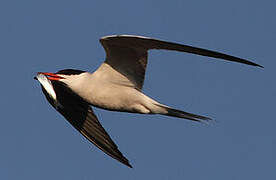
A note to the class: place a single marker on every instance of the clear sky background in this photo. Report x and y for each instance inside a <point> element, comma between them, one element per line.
<point>38,143</point>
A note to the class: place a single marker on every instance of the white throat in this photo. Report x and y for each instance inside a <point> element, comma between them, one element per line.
<point>47,84</point>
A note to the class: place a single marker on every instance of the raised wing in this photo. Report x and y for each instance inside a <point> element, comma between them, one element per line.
<point>81,116</point>
<point>127,55</point>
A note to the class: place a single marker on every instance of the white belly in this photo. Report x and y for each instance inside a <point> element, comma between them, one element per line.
<point>114,97</point>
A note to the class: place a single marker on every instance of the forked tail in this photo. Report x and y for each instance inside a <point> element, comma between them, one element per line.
<point>183,114</point>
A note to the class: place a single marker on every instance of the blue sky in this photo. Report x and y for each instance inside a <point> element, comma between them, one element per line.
<point>38,143</point>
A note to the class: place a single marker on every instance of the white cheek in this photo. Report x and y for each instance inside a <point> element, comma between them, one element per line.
<point>46,83</point>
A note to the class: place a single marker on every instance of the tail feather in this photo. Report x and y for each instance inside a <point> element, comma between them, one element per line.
<point>183,114</point>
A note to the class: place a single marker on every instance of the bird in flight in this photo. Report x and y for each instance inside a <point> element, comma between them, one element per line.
<point>116,86</point>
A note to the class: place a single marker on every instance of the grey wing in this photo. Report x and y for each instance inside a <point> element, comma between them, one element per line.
<point>81,116</point>
<point>127,55</point>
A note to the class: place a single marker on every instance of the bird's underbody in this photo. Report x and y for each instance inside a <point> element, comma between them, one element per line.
<point>116,85</point>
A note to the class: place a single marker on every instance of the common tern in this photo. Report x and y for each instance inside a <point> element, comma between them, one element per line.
<point>116,85</point>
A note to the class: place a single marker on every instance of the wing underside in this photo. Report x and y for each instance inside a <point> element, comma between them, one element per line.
<point>81,116</point>
<point>127,54</point>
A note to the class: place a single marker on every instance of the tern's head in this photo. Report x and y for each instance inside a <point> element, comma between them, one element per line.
<point>62,74</point>
<point>73,79</point>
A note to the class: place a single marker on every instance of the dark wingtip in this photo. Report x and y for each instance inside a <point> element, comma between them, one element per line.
<point>35,78</point>
<point>250,63</point>
<point>129,165</point>
<point>205,120</point>
<point>259,66</point>
<point>253,64</point>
